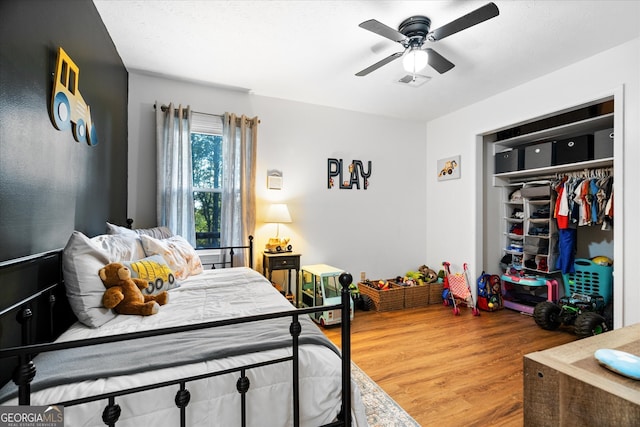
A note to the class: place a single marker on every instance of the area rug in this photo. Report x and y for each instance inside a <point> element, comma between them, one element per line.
<point>381,410</point>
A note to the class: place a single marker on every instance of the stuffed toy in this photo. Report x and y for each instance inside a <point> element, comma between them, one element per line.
<point>124,294</point>
<point>430,275</point>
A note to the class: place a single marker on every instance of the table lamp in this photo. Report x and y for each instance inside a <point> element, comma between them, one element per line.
<point>278,213</point>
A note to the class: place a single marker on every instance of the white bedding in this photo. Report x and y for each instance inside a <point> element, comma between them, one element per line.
<point>213,295</point>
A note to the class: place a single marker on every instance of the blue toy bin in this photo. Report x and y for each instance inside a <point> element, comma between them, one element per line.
<point>590,278</point>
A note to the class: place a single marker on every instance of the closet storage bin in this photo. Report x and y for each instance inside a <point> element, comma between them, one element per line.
<point>383,300</point>
<point>573,150</point>
<point>603,144</point>
<point>590,278</point>
<point>536,245</point>
<point>538,155</point>
<point>509,161</point>
<point>536,191</point>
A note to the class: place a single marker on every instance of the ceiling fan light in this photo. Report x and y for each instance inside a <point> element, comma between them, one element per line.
<point>415,60</point>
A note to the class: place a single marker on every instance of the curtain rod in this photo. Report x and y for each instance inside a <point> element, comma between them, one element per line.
<point>164,108</point>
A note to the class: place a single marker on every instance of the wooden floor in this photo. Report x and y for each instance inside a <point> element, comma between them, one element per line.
<point>450,370</point>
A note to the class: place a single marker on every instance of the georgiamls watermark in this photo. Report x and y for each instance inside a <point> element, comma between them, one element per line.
<point>31,416</point>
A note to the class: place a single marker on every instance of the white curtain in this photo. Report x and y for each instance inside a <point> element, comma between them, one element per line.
<point>174,181</point>
<point>238,197</point>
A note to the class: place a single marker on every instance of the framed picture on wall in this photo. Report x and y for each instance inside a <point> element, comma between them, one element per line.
<point>449,168</point>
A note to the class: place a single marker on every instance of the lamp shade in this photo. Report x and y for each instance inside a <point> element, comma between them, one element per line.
<point>278,213</point>
<point>415,60</point>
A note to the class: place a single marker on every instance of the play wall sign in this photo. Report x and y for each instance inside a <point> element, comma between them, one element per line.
<point>354,175</point>
<point>31,416</point>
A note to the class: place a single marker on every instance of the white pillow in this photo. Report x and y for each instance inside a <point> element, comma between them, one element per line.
<point>120,247</point>
<point>155,232</point>
<point>81,262</point>
<point>116,229</point>
<point>177,252</point>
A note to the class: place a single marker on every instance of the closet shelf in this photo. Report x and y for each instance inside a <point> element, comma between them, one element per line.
<point>512,252</point>
<point>565,131</point>
<point>514,220</point>
<point>549,170</point>
<point>513,236</point>
<point>539,220</point>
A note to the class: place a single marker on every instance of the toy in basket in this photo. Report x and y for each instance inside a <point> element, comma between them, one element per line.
<point>457,290</point>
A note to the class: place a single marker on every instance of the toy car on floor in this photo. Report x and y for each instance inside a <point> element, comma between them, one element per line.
<point>587,313</point>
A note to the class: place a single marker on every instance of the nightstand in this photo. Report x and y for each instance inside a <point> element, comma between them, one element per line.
<point>281,261</point>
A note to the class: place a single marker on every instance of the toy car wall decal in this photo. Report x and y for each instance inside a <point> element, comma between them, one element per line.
<point>68,108</point>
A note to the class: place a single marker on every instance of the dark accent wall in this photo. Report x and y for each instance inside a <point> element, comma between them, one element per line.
<point>49,183</point>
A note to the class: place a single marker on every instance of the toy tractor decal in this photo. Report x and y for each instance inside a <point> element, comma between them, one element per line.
<point>68,108</point>
<point>448,168</point>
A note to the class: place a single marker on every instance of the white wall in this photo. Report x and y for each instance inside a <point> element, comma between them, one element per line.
<point>379,230</point>
<point>457,227</point>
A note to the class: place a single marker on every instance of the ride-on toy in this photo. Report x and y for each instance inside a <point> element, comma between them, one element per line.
<point>587,313</point>
<point>320,286</point>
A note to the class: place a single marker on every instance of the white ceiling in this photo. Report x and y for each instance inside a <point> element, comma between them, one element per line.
<point>309,51</point>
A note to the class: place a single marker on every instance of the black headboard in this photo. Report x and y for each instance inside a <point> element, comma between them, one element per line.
<point>33,303</point>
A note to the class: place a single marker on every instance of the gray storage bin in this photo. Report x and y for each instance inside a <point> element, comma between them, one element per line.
<point>509,161</point>
<point>538,156</point>
<point>603,144</point>
<point>536,191</point>
<point>573,150</point>
<point>536,245</point>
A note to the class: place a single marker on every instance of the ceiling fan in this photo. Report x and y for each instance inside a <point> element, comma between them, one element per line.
<point>414,31</point>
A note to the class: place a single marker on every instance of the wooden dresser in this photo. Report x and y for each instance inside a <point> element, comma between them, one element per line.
<point>566,386</point>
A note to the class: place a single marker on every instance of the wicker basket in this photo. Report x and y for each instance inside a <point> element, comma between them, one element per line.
<point>391,299</point>
<point>435,293</point>
<point>416,296</point>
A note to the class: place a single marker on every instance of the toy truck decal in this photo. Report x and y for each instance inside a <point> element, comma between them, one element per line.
<point>68,107</point>
<point>154,273</point>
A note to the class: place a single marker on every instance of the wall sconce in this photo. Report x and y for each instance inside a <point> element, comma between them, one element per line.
<point>274,179</point>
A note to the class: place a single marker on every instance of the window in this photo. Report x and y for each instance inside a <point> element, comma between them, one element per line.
<point>206,160</point>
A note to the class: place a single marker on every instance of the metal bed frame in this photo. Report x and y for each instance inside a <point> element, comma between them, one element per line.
<point>37,314</point>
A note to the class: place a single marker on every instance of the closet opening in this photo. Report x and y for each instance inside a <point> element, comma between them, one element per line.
<point>526,168</point>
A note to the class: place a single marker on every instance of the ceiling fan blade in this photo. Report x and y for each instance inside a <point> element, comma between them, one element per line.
<point>486,12</point>
<point>439,62</point>
<point>379,64</point>
<point>382,30</point>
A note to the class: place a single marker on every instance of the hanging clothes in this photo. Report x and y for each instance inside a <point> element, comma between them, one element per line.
<point>608,218</point>
<point>566,250</point>
<point>582,200</point>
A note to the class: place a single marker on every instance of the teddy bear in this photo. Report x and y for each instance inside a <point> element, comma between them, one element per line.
<point>124,294</point>
<point>430,276</point>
